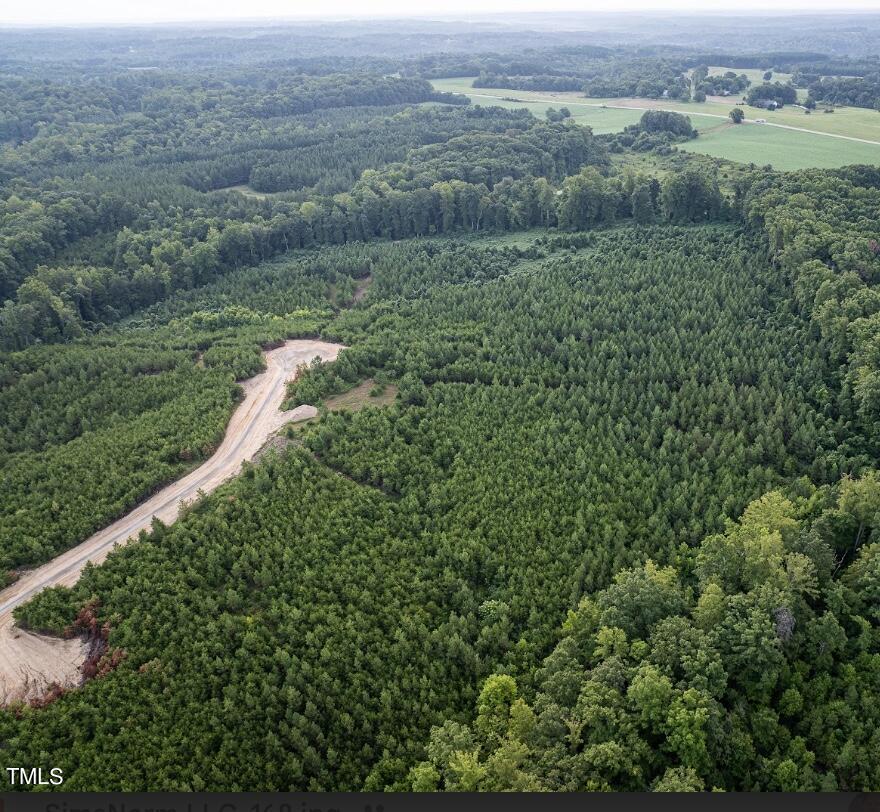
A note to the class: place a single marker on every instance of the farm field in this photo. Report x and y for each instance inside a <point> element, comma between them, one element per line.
<point>853,122</point>
<point>782,149</point>
<point>601,119</point>
<point>791,149</point>
<point>603,115</point>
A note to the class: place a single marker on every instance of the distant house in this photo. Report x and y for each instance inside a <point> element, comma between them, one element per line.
<point>766,104</point>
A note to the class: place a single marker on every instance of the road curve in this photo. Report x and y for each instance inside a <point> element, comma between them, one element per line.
<point>30,662</point>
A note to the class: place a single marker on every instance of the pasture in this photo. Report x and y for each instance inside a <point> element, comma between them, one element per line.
<point>601,119</point>
<point>747,143</point>
<point>782,149</point>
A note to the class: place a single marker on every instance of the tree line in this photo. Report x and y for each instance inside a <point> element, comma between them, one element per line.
<point>527,175</point>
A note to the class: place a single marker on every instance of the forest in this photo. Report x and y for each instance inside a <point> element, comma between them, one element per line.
<point>495,170</point>
<point>858,91</point>
<point>616,525</point>
<point>781,93</point>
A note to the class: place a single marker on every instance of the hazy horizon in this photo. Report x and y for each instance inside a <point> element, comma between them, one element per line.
<point>107,12</point>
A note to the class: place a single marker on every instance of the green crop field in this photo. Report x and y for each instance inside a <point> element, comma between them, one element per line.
<point>750,143</point>
<point>855,122</point>
<point>604,115</point>
<point>782,149</point>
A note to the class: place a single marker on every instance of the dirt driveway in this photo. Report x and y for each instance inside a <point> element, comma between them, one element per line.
<point>29,662</point>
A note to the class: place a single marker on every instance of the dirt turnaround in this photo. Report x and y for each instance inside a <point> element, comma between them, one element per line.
<point>29,663</point>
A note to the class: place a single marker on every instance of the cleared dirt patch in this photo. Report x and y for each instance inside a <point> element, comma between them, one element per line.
<point>280,440</point>
<point>361,289</point>
<point>30,663</point>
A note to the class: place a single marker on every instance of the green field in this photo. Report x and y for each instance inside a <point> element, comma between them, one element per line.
<point>751,143</point>
<point>855,122</point>
<point>601,119</point>
<point>782,149</point>
<point>755,75</point>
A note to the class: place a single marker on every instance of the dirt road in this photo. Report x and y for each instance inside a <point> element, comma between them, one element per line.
<point>29,662</point>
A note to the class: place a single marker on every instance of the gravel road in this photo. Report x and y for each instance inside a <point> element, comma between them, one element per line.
<point>30,662</point>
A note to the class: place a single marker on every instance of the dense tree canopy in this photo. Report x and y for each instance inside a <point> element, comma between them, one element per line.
<point>746,666</point>
<point>858,91</point>
<point>614,523</point>
<point>668,365</point>
<point>772,91</point>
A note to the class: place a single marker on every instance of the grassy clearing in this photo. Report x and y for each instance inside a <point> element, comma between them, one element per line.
<point>749,143</point>
<point>783,149</point>
<point>367,393</point>
<point>602,120</point>
<point>517,239</point>
<point>244,189</point>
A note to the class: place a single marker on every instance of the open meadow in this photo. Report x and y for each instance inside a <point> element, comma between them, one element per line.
<point>821,140</point>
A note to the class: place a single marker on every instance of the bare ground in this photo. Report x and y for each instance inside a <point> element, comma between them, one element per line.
<point>361,288</point>
<point>29,663</point>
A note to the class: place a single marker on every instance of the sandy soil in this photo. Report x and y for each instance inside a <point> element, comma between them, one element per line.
<point>30,662</point>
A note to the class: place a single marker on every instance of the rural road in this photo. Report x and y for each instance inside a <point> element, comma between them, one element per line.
<point>569,103</point>
<point>30,662</point>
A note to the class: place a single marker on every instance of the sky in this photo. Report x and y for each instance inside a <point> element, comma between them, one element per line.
<point>86,12</point>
